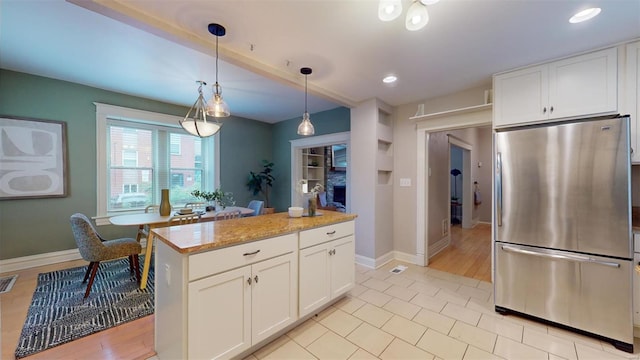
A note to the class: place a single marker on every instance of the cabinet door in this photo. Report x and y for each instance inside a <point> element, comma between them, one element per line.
<point>584,85</point>
<point>314,278</point>
<point>636,291</point>
<point>220,315</point>
<point>632,104</point>
<point>273,296</point>
<point>520,96</point>
<point>342,265</point>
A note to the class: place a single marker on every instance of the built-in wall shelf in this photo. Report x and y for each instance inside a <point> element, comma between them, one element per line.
<point>453,112</point>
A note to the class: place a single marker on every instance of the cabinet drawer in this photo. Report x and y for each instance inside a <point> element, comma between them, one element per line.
<point>216,261</point>
<point>325,233</point>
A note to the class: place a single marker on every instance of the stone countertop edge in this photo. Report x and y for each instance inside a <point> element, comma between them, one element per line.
<point>211,235</point>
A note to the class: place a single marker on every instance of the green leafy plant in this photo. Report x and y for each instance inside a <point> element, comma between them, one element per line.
<point>222,198</point>
<point>262,181</point>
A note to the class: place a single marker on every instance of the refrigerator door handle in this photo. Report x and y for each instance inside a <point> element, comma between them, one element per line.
<point>499,189</point>
<point>557,255</point>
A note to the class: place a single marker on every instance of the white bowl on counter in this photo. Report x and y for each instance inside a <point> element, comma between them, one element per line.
<point>295,211</point>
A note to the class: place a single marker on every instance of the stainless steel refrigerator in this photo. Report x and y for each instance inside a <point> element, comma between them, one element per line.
<point>563,243</point>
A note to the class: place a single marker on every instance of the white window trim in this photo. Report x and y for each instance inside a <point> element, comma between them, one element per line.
<point>105,112</point>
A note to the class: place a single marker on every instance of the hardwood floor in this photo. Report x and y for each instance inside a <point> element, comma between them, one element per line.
<point>468,255</point>
<point>133,340</point>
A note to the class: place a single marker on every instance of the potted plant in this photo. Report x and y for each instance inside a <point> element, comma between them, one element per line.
<point>215,198</point>
<point>261,182</point>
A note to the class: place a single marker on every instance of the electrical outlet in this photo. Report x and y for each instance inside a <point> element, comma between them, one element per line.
<point>445,227</point>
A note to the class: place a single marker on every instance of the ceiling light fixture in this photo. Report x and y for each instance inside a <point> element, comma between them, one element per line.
<point>197,122</point>
<point>306,127</point>
<point>389,9</point>
<point>216,107</point>
<point>417,15</point>
<point>389,79</point>
<point>584,15</point>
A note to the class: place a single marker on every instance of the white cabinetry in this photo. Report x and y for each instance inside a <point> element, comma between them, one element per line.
<point>583,85</point>
<point>636,282</point>
<point>327,260</point>
<point>632,106</point>
<point>234,298</point>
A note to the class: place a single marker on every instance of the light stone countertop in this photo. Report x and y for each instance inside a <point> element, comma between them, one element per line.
<point>211,235</point>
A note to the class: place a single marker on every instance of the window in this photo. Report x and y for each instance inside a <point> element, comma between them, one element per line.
<point>140,153</point>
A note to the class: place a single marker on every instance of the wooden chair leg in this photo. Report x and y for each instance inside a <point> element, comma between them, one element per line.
<point>136,261</point>
<point>96,265</point>
<point>86,275</point>
<point>131,264</point>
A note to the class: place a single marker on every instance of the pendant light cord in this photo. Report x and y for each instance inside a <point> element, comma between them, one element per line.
<point>305,93</point>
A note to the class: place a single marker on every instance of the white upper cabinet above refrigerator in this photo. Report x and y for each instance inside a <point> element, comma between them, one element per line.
<point>579,86</point>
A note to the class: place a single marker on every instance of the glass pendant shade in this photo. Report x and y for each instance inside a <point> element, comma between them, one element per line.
<point>389,9</point>
<point>429,2</point>
<point>197,122</point>
<point>306,127</point>
<point>216,106</point>
<point>417,16</point>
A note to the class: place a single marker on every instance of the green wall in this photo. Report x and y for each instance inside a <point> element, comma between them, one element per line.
<point>326,122</point>
<point>36,226</point>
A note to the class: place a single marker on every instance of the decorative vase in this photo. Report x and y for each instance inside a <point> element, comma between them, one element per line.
<point>165,205</point>
<point>313,205</point>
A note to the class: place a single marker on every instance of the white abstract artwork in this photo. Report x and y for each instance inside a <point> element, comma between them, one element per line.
<point>32,158</point>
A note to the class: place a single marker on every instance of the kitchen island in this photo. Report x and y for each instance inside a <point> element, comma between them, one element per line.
<point>225,288</point>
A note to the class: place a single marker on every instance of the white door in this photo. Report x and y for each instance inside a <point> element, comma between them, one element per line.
<point>220,315</point>
<point>342,265</point>
<point>584,85</point>
<point>273,296</point>
<point>521,96</point>
<point>314,278</point>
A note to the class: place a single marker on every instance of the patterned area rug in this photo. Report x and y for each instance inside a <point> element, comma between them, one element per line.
<point>58,313</point>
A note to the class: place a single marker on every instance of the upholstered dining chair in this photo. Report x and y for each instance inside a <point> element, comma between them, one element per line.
<point>227,215</point>
<point>256,206</point>
<point>94,249</point>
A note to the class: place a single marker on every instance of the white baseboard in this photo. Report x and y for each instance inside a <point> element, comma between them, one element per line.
<point>384,259</point>
<point>31,261</point>
<point>27,262</point>
<point>439,246</point>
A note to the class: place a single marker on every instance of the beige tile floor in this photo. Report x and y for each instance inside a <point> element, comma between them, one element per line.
<point>427,314</point>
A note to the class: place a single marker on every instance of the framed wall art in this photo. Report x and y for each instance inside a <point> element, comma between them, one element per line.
<point>33,158</point>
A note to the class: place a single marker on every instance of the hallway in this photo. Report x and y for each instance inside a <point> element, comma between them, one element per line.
<point>469,253</point>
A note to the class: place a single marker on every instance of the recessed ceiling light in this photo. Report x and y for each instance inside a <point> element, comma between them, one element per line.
<point>584,15</point>
<point>389,79</point>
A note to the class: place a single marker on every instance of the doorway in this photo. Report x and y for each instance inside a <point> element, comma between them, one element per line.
<point>321,160</point>
<point>426,222</point>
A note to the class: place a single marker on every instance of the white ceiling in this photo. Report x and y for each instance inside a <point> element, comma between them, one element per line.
<point>158,49</point>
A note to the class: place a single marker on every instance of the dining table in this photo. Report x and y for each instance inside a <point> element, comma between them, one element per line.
<point>155,220</point>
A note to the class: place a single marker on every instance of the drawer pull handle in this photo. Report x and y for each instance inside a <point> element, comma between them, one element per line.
<point>249,280</point>
<point>256,279</point>
<point>251,253</point>
<point>331,232</point>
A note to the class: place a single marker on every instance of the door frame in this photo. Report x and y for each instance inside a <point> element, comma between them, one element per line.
<point>471,117</point>
<point>296,162</point>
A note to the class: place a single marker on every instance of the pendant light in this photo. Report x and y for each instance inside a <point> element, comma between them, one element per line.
<point>306,127</point>
<point>197,122</point>
<point>389,9</point>
<point>417,16</point>
<point>217,107</point>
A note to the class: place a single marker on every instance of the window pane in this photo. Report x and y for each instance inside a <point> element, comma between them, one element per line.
<point>130,147</point>
<point>186,168</point>
<point>123,184</point>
